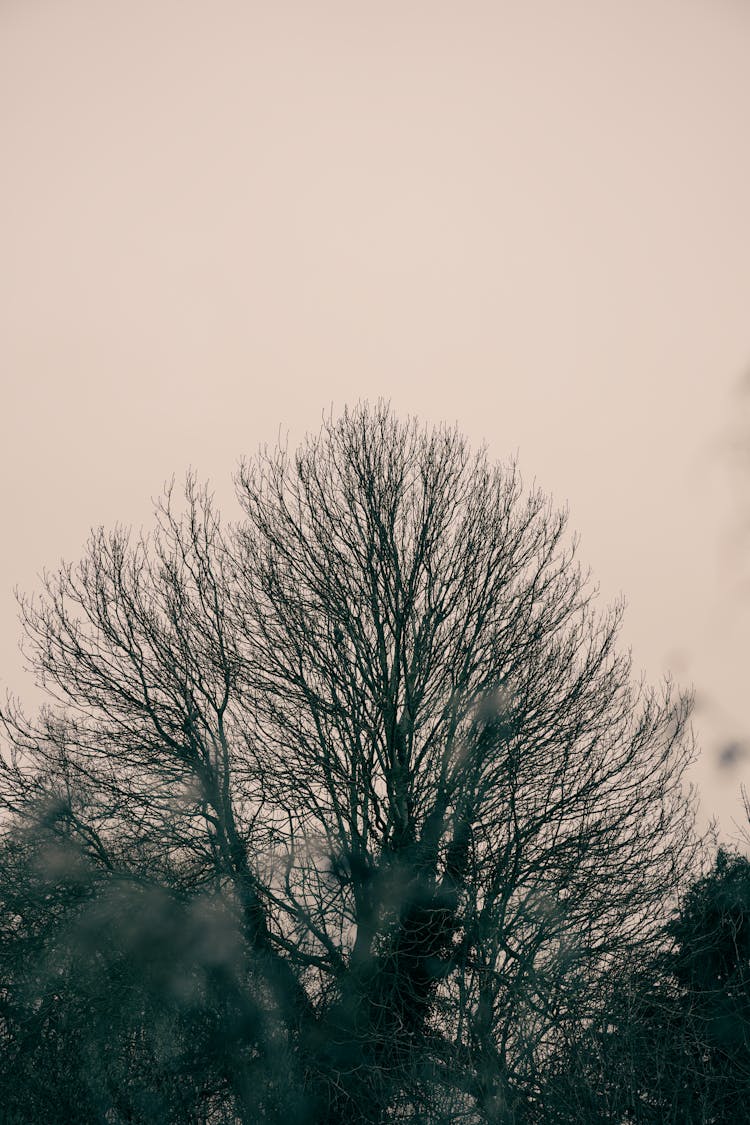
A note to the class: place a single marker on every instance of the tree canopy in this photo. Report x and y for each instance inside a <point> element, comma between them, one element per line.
<point>349,811</point>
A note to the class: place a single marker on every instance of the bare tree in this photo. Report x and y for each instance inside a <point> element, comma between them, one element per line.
<point>381,718</point>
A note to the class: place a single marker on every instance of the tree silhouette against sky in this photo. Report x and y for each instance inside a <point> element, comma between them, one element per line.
<point>366,768</point>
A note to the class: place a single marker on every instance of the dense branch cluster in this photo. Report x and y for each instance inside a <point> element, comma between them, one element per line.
<point>349,812</point>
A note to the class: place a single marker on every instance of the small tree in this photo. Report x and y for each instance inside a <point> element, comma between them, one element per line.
<point>383,722</point>
<point>711,965</point>
<point>675,1044</point>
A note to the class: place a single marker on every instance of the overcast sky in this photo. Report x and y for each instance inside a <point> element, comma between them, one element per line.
<point>531,218</point>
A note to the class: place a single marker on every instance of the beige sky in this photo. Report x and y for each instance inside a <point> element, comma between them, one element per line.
<point>530,217</point>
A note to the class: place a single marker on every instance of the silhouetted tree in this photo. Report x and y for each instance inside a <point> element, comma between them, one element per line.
<point>380,727</point>
<point>674,1043</point>
<point>711,964</point>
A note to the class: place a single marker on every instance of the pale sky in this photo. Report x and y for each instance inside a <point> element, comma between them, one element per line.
<point>532,218</point>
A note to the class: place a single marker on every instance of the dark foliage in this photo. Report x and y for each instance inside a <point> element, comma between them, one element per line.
<point>674,1045</point>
